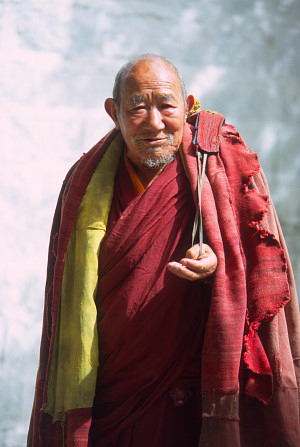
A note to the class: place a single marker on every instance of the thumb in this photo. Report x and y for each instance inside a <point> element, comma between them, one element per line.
<point>193,252</point>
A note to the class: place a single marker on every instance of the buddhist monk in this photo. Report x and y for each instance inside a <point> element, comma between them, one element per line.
<point>171,316</point>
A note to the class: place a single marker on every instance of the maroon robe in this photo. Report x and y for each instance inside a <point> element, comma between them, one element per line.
<point>251,351</point>
<point>151,323</point>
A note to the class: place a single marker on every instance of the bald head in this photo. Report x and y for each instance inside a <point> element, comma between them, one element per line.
<point>127,68</point>
<point>149,108</point>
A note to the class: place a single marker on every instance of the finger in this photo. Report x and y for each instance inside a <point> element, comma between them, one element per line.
<point>193,252</point>
<point>205,265</point>
<point>183,272</point>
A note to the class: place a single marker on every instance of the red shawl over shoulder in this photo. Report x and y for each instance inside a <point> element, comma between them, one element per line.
<point>249,385</point>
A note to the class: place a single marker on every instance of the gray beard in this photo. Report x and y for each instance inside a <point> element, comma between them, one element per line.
<point>158,162</point>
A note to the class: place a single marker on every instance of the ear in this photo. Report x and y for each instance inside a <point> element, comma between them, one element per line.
<point>190,101</point>
<point>112,110</point>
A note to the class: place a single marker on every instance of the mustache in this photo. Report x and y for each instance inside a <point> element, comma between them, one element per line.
<point>168,137</point>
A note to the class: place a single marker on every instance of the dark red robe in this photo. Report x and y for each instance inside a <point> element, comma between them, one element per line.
<point>151,323</point>
<point>250,354</point>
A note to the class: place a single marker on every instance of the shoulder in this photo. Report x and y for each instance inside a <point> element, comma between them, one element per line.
<point>84,167</point>
<point>230,136</point>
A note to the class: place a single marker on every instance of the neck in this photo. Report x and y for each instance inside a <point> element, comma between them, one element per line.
<point>148,175</point>
<point>147,172</point>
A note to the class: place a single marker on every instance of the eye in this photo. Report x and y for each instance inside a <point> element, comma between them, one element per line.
<point>167,106</point>
<point>138,109</point>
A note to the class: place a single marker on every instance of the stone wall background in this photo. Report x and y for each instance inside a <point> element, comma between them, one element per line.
<point>58,60</point>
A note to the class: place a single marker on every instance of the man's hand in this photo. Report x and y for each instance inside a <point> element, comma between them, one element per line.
<point>193,267</point>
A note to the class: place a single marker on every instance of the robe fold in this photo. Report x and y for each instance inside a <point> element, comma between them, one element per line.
<point>243,334</point>
<point>150,323</point>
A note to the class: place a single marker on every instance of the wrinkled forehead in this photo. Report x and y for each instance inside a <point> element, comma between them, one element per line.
<point>155,77</point>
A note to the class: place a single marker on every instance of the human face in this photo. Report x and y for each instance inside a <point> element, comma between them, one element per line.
<point>151,114</point>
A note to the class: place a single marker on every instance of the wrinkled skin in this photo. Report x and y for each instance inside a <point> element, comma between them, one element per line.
<point>193,266</point>
<point>151,116</point>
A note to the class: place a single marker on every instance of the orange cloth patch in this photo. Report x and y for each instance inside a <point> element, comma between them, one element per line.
<point>133,175</point>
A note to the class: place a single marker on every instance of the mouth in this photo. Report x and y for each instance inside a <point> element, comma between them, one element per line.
<point>154,141</point>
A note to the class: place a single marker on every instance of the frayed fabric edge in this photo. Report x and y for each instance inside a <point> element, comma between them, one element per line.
<point>253,326</point>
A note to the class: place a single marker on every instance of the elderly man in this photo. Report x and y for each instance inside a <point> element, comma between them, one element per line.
<point>148,342</point>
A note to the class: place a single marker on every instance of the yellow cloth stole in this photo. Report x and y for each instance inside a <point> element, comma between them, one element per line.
<point>74,362</point>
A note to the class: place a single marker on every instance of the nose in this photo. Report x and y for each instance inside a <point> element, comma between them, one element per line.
<point>154,120</point>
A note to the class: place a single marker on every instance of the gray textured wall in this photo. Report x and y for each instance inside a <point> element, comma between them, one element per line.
<point>57,63</point>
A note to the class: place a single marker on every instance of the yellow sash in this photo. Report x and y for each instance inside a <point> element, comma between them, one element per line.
<point>74,362</point>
